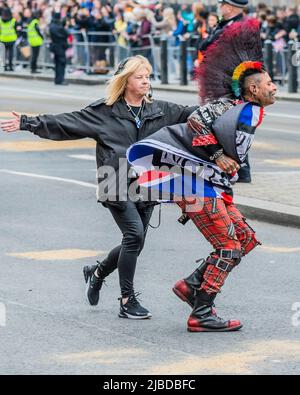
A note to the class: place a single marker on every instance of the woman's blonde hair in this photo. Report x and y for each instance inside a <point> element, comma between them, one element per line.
<point>169,16</point>
<point>117,84</point>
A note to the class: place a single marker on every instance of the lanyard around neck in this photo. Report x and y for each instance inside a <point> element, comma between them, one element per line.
<point>137,117</point>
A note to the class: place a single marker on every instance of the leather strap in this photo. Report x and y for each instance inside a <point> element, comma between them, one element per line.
<point>229,254</point>
<point>219,263</point>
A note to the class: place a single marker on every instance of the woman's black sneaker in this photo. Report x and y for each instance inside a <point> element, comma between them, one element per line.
<point>93,284</point>
<point>132,309</point>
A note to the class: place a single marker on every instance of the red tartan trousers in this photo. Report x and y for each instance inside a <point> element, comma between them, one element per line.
<point>224,227</point>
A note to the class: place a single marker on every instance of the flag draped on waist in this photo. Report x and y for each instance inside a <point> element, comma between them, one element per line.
<point>169,162</point>
<point>165,165</point>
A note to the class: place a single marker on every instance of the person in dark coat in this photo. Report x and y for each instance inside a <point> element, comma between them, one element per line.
<point>100,41</point>
<point>126,116</point>
<point>231,11</point>
<point>59,44</point>
<point>8,36</point>
<point>143,33</point>
<point>292,20</point>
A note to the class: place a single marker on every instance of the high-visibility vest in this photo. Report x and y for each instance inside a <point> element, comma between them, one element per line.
<point>34,39</point>
<point>8,32</point>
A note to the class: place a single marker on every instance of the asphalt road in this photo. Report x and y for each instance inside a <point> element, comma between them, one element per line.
<point>51,227</point>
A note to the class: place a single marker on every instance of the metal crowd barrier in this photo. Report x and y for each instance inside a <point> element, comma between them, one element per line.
<point>283,66</point>
<point>172,58</point>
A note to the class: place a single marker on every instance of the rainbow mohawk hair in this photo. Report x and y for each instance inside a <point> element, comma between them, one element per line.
<point>239,71</point>
<point>237,50</point>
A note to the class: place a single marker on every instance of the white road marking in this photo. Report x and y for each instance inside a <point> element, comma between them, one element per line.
<point>48,93</point>
<point>282,115</point>
<point>89,185</point>
<point>68,180</point>
<point>263,129</point>
<point>94,98</point>
<point>83,157</point>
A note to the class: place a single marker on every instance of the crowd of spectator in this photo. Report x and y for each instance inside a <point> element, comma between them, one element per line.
<point>132,25</point>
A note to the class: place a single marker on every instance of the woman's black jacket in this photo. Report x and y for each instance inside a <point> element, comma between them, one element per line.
<point>113,127</point>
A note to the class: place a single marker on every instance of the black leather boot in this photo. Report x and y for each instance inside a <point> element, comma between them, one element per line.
<point>185,289</point>
<point>202,318</point>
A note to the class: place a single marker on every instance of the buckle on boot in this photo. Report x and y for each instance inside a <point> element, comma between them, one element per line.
<point>223,265</point>
<point>229,254</point>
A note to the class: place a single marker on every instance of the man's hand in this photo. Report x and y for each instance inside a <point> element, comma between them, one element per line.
<point>227,164</point>
<point>11,125</point>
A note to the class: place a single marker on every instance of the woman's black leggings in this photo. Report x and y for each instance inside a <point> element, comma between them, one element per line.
<point>133,220</point>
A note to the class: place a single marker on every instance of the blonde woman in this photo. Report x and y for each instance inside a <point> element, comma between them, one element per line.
<point>120,27</point>
<point>168,24</point>
<point>125,116</point>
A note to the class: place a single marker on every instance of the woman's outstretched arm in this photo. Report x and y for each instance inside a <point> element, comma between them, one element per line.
<point>67,126</point>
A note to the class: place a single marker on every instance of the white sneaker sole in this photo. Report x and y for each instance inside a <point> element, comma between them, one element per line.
<point>134,317</point>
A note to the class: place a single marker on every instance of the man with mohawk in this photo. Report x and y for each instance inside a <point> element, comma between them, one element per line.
<point>234,88</point>
<point>220,221</point>
<point>231,12</point>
